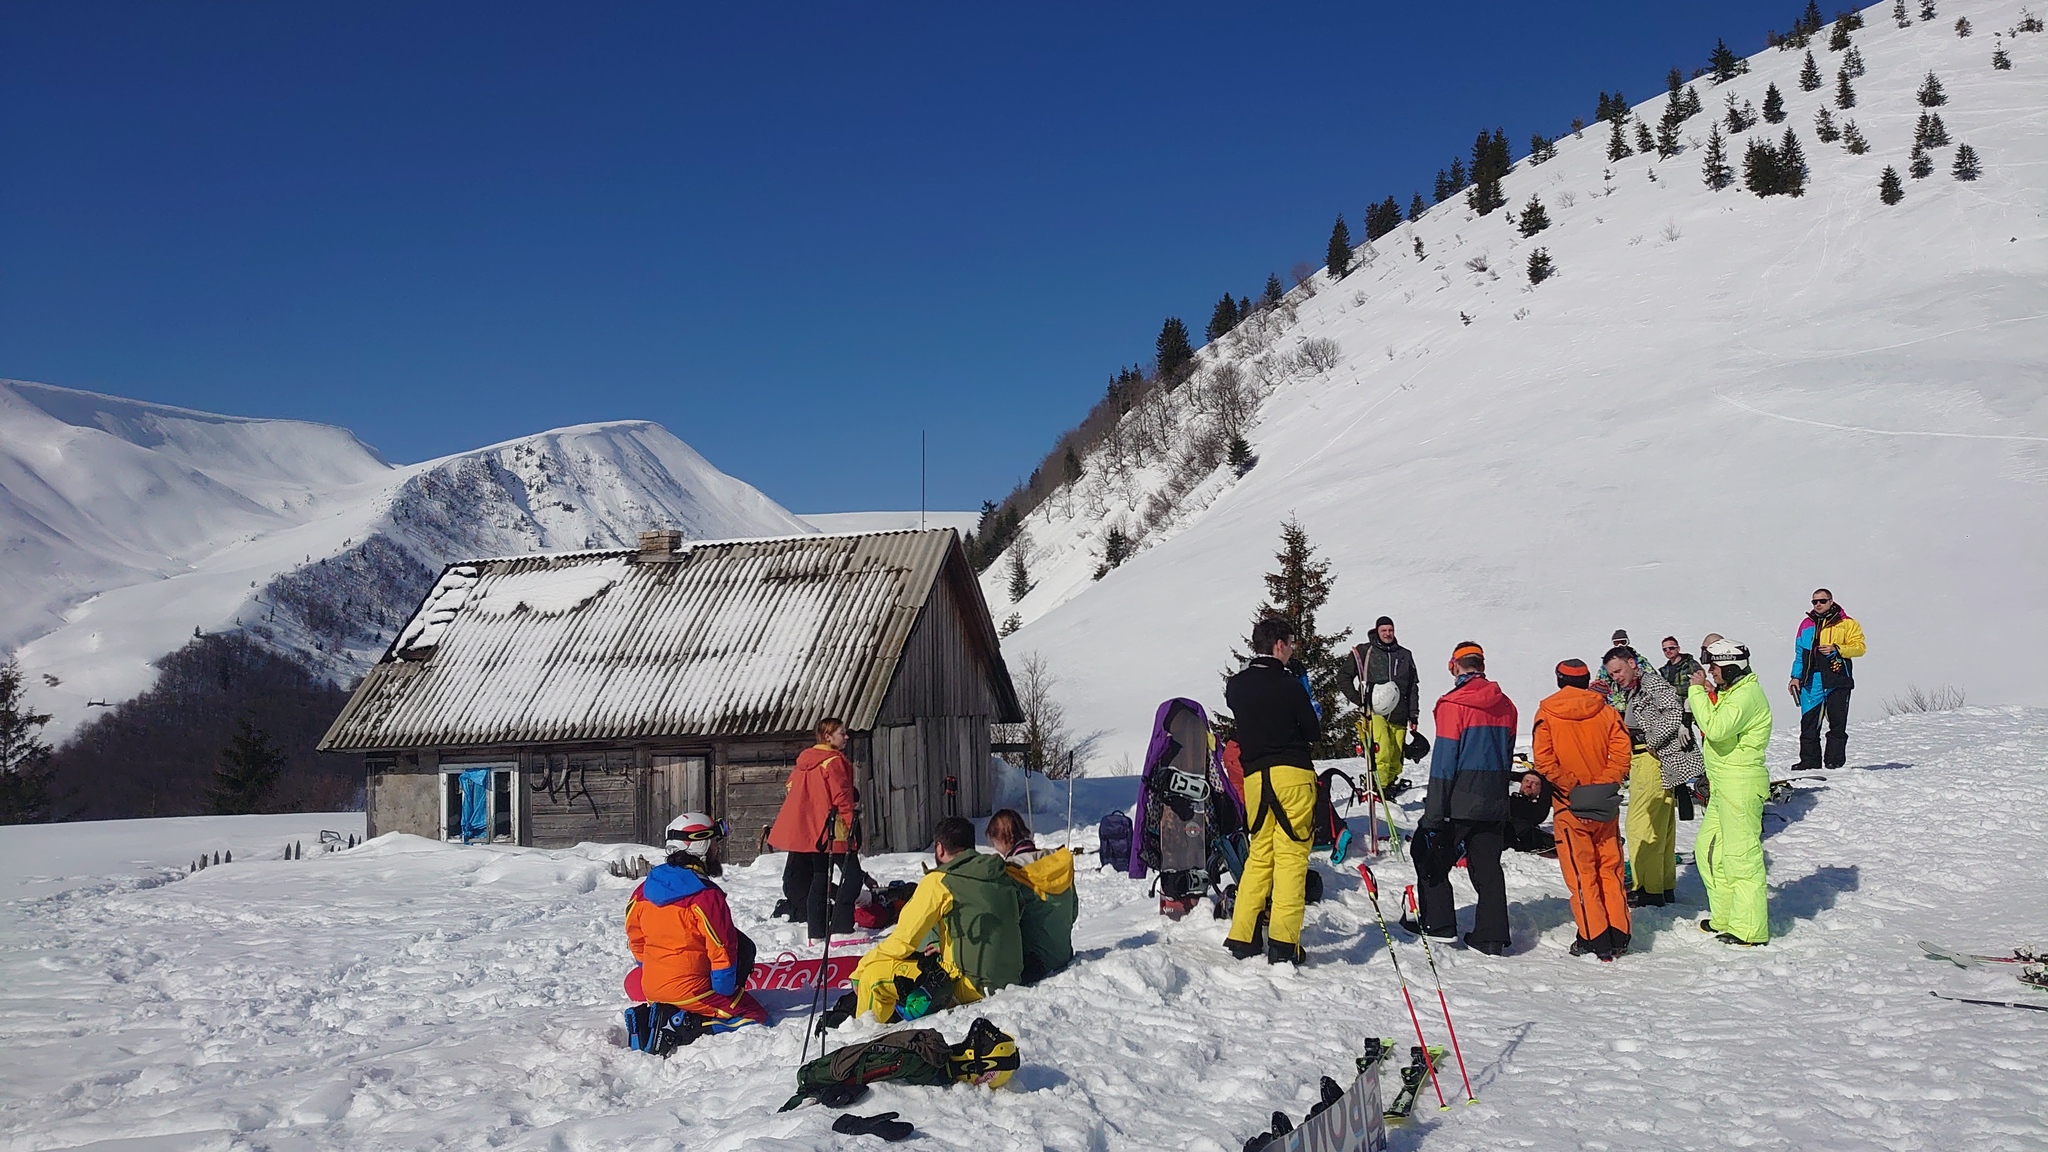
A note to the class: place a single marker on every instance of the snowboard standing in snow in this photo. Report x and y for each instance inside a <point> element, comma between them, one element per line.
<point>1187,812</point>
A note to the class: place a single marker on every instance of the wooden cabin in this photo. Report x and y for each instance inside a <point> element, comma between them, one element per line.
<point>600,694</point>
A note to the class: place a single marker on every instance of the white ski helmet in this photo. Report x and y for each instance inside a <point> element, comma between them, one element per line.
<point>1728,652</point>
<point>694,833</point>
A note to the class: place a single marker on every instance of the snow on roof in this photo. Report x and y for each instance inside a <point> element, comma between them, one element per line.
<point>730,637</point>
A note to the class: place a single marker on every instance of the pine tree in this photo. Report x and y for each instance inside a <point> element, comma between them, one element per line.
<point>1922,165</point>
<point>1490,162</point>
<point>1760,168</point>
<point>1382,218</point>
<point>1297,591</point>
<point>1840,38</point>
<point>1645,143</point>
<point>1725,63</point>
<point>1020,576</point>
<point>1740,118</point>
<point>1339,254</point>
<point>1541,148</point>
<point>1845,96</point>
<point>1930,132</point>
<point>1071,466</point>
<point>1222,319</point>
<point>1824,127</point>
<point>1617,143</point>
<point>1852,63</point>
<point>1603,109</point>
<point>1810,21</point>
<point>1774,105</point>
<point>1617,107</point>
<point>1888,188</point>
<point>1273,293</point>
<point>1442,190</point>
<point>1173,349</point>
<point>1693,107</point>
<point>1852,139</point>
<point>1457,184</point>
<point>1791,165</point>
<point>1999,60</point>
<point>1540,267</point>
<point>1931,95</point>
<point>1852,20</point>
<point>1809,75</point>
<point>1241,458</point>
<point>248,770</point>
<point>1715,171</point>
<point>1899,16</point>
<point>1116,548</point>
<point>1962,26</point>
<point>1534,219</point>
<point>1966,166</point>
<point>1927,9</point>
<point>26,775</point>
<point>1416,207</point>
<point>1667,140</point>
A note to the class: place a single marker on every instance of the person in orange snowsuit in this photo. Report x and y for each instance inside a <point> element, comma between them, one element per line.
<point>693,962</point>
<point>1583,750</point>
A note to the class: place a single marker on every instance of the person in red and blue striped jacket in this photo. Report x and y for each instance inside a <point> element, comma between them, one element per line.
<point>1466,812</point>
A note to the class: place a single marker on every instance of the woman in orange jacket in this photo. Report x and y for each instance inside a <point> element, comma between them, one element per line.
<point>818,825</point>
<point>1581,747</point>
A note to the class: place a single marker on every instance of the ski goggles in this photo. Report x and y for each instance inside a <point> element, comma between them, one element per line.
<point>717,831</point>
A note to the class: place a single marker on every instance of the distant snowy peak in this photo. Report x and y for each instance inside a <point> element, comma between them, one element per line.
<point>126,527</point>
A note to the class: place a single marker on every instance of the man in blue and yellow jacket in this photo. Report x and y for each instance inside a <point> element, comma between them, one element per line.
<point>1823,673</point>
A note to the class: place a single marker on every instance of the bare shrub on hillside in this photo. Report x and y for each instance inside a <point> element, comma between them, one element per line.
<point>1304,275</point>
<point>1269,372</point>
<point>1915,700</point>
<point>1231,400</point>
<point>1477,263</point>
<point>1204,450</point>
<point>1051,748</point>
<point>1318,355</point>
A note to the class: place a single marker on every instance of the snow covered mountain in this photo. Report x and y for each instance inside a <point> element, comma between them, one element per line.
<point>126,528</point>
<point>1719,402</point>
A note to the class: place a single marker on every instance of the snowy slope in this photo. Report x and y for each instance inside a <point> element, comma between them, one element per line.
<point>830,522</point>
<point>127,526</point>
<point>1719,403</point>
<point>409,995</point>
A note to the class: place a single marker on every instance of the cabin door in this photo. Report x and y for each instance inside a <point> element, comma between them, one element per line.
<point>675,785</point>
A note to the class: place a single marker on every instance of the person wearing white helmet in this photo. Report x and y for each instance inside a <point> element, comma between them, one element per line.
<point>1735,727</point>
<point>693,962</point>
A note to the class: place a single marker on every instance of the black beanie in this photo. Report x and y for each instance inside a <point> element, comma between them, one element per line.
<point>1383,620</point>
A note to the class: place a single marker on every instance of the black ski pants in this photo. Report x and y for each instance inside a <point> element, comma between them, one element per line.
<point>807,885</point>
<point>1481,843</point>
<point>1834,708</point>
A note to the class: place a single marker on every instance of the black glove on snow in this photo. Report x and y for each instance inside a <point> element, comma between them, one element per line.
<point>886,1125</point>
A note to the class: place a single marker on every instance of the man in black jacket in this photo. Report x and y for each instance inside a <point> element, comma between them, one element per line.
<point>1276,731</point>
<point>1383,684</point>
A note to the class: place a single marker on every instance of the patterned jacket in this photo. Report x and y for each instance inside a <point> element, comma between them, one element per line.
<point>1656,717</point>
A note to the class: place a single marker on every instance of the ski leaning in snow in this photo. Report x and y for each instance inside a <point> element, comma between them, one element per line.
<point>1973,959</point>
<point>2032,1005</point>
<point>1419,1069</point>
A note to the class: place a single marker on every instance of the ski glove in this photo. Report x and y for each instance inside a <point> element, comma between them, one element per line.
<point>725,981</point>
<point>885,1125</point>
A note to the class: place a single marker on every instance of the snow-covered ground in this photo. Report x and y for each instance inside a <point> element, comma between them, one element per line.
<point>1719,403</point>
<point>409,995</point>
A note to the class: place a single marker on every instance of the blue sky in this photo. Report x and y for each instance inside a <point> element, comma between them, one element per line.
<point>795,236</point>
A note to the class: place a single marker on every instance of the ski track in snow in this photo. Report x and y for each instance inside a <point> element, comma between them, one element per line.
<point>1876,431</point>
<point>409,995</point>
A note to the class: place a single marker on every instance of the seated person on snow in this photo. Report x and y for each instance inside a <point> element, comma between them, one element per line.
<point>693,963</point>
<point>1050,903</point>
<point>975,911</point>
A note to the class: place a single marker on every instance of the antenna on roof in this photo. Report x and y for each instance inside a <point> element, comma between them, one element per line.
<point>920,479</point>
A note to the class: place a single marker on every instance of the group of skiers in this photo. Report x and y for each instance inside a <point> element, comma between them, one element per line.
<point>1672,734</point>
<point>1663,737</point>
<point>998,918</point>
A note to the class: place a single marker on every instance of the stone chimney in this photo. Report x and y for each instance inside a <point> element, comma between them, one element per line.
<point>659,545</point>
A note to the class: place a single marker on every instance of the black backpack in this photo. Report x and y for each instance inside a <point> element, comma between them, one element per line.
<point>1326,823</point>
<point>1114,842</point>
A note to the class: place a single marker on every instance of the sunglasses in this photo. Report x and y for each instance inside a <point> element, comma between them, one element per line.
<point>1671,647</point>
<point>1821,601</point>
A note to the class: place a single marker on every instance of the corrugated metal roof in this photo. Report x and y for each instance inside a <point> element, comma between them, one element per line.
<point>728,638</point>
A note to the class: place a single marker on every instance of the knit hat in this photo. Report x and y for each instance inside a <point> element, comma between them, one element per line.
<point>1384,621</point>
<point>1619,638</point>
<point>1573,673</point>
<point>1722,651</point>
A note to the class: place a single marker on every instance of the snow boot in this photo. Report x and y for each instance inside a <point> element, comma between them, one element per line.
<point>1282,953</point>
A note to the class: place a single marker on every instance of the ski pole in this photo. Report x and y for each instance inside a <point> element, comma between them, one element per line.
<point>1372,890</point>
<point>818,981</point>
<point>1430,955</point>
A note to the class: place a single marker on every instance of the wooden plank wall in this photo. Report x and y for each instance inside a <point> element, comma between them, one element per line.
<point>583,796</point>
<point>938,710</point>
<point>750,779</point>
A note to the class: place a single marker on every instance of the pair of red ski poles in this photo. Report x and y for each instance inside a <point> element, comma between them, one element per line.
<point>1372,890</point>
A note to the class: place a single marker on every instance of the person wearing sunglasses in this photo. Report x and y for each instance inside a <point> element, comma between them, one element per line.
<point>1677,671</point>
<point>1827,643</point>
<point>819,827</point>
<point>692,963</point>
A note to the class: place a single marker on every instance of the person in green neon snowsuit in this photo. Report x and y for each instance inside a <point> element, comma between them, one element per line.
<point>1735,726</point>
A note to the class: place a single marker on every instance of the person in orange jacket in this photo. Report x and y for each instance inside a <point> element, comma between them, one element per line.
<point>818,826</point>
<point>693,964</point>
<point>1583,750</point>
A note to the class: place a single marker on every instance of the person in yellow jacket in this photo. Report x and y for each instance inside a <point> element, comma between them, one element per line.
<point>1050,903</point>
<point>1823,672</point>
<point>1277,728</point>
<point>1735,728</point>
<point>973,907</point>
